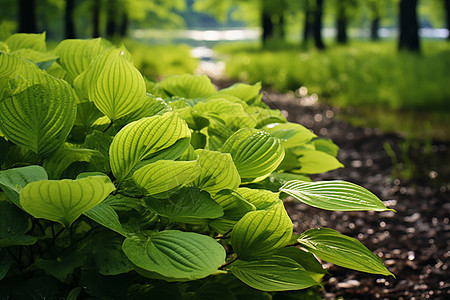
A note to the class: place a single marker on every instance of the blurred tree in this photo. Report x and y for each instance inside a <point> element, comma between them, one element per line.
<point>68,20</point>
<point>96,8</point>
<point>409,26</point>
<point>447,16</point>
<point>317,25</point>
<point>27,16</point>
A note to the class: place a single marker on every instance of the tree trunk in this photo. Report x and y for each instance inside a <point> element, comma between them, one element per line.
<point>281,27</point>
<point>447,15</point>
<point>409,26</point>
<point>375,22</point>
<point>317,26</point>
<point>69,24</point>
<point>96,18</point>
<point>309,21</point>
<point>111,20</point>
<point>267,25</point>
<point>124,25</point>
<point>341,24</point>
<point>27,16</point>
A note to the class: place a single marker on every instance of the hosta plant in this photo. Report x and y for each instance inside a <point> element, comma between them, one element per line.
<point>114,186</point>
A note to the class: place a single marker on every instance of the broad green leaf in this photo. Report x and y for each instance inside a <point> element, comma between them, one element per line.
<point>290,134</point>
<point>309,161</point>
<point>63,201</point>
<point>65,157</point>
<point>35,41</point>
<point>150,139</point>
<point>247,93</point>
<point>41,59</point>
<point>333,195</point>
<point>260,199</point>
<point>5,263</point>
<point>106,248</point>
<point>255,153</point>
<point>259,234</point>
<point>234,208</point>
<point>87,114</point>
<point>4,47</point>
<point>213,290</point>
<point>14,223</point>
<point>341,250</point>
<point>276,180</point>
<point>326,145</point>
<point>40,117</point>
<point>12,181</point>
<point>306,259</point>
<point>266,116</point>
<point>176,254</point>
<point>99,141</point>
<point>62,267</point>
<point>151,106</point>
<point>218,133</point>
<point>119,88</point>
<point>75,56</point>
<point>165,176</point>
<point>218,172</point>
<point>276,273</point>
<point>106,216</point>
<point>189,205</point>
<point>188,86</point>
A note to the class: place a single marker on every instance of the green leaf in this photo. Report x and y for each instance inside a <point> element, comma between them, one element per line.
<point>341,250</point>
<point>290,134</point>
<point>119,88</point>
<point>247,93</point>
<point>306,259</point>
<point>314,161</point>
<point>176,254</point>
<point>35,41</point>
<point>213,290</point>
<point>260,199</point>
<point>276,273</point>
<point>188,86</point>
<point>12,181</point>
<point>152,106</point>
<point>326,145</point>
<point>333,195</point>
<point>259,234</point>
<point>106,248</point>
<point>218,172</point>
<point>5,263</point>
<point>63,201</point>
<point>14,223</point>
<point>42,60</point>
<point>106,216</point>
<point>166,176</point>
<point>99,141</point>
<point>189,205</point>
<point>150,139</point>
<point>255,153</point>
<point>40,117</point>
<point>64,157</point>
<point>276,180</point>
<point>75,56</point>
<point>62,266</point>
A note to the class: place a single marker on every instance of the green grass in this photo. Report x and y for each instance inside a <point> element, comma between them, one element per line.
<point>362,73</point>
<point>157,61</point>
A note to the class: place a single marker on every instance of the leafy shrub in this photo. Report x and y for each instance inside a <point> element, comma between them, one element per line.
<point>114,186</point>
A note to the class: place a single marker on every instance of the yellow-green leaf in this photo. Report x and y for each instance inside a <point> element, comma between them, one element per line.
<point>63,201</point>
<point>35,41</point>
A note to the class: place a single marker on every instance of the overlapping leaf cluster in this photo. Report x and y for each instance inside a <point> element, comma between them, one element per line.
<point>109,179</point>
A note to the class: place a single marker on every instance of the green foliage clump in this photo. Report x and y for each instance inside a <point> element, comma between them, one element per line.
<point>116,186</point>
<point>369,74</point>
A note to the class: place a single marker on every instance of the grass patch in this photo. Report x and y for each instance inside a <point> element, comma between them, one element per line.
<point>362,73</point>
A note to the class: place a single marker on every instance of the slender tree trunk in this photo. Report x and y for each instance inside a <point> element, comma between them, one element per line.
<point>96,18</point>
<point>341,24</point>
<point>447,16</point>
<point>111,19</point>
<point>124,25</point>
<point>281,27</point>
<point>27,16</point>
<point>69,24</point>
<point>267,25</point>
<point>375,22</point>
<point>307,29</point>
<point>409,26</point>
<point>317,26</point>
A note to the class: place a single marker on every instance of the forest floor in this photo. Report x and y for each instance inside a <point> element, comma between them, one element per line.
<point>413,242</point>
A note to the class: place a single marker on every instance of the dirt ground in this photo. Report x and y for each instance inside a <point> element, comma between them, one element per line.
<point>413,242</point>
